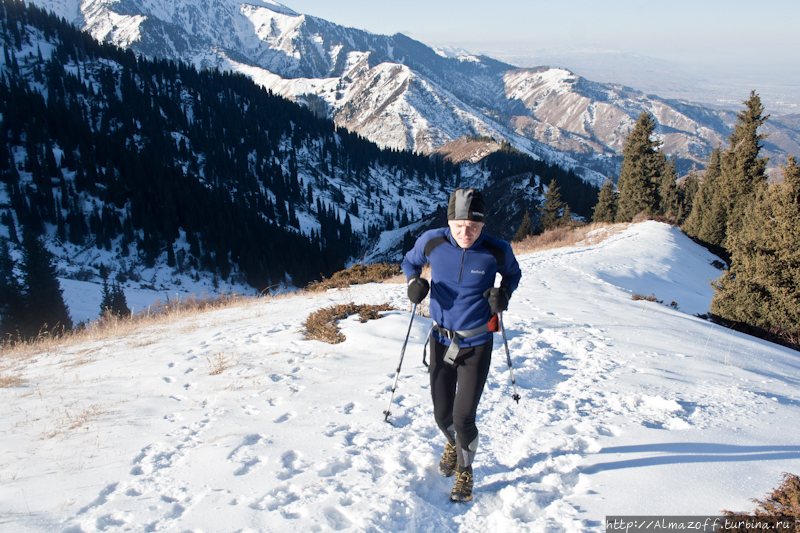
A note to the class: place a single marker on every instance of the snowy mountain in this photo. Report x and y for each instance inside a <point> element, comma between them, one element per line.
<point>628,408</point>
<point>402,94</point>
<point>176,181</point>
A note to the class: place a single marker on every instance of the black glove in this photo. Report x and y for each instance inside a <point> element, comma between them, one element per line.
<point>498,298</point>
<point>418,289</point>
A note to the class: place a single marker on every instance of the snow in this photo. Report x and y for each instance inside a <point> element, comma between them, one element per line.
<point>628,408</point>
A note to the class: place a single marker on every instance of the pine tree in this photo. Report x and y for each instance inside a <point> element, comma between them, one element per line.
<point>687,193</point>
<point>566,216</point>
<point>707,220</point>
<point>551,211</point>
<point>668,192</point>
<point>45,309</point>
<point>762,287</point>
<point>640,176</point>
<point>119,304</point>
<point>525,228</point>
<point>105,303</point>
<point>606,208</point>
<point>742,171</point>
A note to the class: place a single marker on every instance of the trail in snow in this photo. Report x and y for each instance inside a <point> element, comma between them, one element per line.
<point>627,408</point>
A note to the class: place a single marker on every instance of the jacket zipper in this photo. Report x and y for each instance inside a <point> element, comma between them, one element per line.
<point>460,272</point>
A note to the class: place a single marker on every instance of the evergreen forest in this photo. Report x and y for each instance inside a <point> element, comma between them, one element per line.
<point>731,209</point>
<point>154,161</point>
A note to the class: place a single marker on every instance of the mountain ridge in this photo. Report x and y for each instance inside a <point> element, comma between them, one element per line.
<point>312,56</point>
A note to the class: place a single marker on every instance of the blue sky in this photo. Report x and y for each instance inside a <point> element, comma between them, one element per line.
<point>698,32</point>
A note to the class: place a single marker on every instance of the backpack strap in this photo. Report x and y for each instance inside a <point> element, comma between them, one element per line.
<point>496,251</point>
<point>434,243</point>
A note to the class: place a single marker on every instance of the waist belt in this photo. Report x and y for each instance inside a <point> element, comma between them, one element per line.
<point>455,340</point>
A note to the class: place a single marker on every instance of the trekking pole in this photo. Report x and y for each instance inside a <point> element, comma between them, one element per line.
<point>397,374</point>
<point>516,396</point>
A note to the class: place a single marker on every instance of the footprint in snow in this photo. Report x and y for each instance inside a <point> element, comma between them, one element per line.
<point>277,498</point>
<point>336,520</point>
<point>335,467</point>
<point>291,465</point>
<point>284,418</point>
<point>247,455</point>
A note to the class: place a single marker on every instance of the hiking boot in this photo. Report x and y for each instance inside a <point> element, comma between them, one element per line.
<point>449,461</point>
<point>462,490</point>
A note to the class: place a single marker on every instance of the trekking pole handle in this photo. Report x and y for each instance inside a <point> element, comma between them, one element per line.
<point>515,396</point>
<point>387,412</point>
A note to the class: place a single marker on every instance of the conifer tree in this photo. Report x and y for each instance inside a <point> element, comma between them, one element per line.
<point>105,303</point>
<point>707,220</point>
<point>762,287</point>
<point>566,216</point>
<point>687,193</point>
<point>45,309</point>
<point>551,211</point>
<point>732,178</point>
<point>119,304</point>
<point>668,192</point>
<point>741,169</point>
<point>525,228</point>
<point>640,176</point>
<point>606,208</point>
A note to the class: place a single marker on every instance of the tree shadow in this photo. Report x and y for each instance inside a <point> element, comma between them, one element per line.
<point>691,453</point>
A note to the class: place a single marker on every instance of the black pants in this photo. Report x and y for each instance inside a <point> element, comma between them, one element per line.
<point>456,390</point>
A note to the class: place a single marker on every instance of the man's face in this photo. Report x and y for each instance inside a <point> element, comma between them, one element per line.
<point>465,232</point>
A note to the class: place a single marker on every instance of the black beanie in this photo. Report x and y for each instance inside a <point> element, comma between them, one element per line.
<point>466,204</point>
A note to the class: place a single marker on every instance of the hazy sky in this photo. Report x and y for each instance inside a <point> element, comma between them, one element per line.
<point>696,31</point>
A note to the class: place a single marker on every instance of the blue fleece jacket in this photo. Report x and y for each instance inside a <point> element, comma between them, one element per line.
<point>459,278</point>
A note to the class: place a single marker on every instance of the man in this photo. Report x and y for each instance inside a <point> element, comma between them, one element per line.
<point>464,261</point>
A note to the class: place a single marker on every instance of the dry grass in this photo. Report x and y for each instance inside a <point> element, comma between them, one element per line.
<point>219,362</point>
<point>321,325</point>
<point>110,326</point>
<point>356,275</point>
<point>578,235</point>
<point>651,298</point>
<point>8,381</point>
<point>71,418</point>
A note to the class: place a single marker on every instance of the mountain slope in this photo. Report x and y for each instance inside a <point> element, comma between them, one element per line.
<point>136,432</point>
<point>161,173</point>
<point>434,100</point>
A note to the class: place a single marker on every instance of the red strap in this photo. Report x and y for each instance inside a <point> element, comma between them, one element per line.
<point>494,324</point>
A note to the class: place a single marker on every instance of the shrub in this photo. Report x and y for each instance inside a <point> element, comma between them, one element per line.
<point>651,298</point>
<point>356,275</point>
<point>573,234</point>
<point>782,503</point>
<point>321,325</point>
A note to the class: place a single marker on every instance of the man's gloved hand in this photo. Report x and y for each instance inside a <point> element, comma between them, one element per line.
<point>498,298</point>
<point>418,289</point>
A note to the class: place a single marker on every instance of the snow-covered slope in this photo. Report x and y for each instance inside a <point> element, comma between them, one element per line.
<point>403,94</point>
<point>628,407</point>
